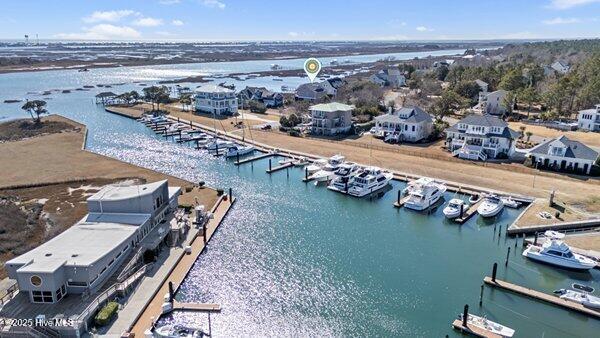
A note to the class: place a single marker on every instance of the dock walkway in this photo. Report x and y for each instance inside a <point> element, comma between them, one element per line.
<point>473,330</point>
<point>254,158</point>
<point>469,213</point>
<point>552,299</point>
<point>279,167</point>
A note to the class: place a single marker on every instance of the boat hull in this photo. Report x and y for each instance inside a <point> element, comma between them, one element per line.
<point>554,261</point>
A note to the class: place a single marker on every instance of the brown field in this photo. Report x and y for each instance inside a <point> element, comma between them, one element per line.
<point>46,179</point>
<point>590,139</point>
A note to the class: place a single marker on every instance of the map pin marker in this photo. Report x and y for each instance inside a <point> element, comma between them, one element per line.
<point>312,67</point>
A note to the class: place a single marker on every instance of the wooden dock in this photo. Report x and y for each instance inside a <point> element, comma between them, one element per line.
<point>198,307</point>
<point>552,299</point>
<point>254,158</point>
<point>469,213</point>
<point>400,202</point>
<point>473,330</point>
<point>280,167</point>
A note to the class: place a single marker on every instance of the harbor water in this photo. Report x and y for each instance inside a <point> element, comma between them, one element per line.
<point>295,259</point>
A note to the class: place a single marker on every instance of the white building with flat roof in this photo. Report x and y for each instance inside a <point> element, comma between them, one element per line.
<point>81,258</point>
<point>589,119</point>
<point>215,100</point>
<point>331,118</point>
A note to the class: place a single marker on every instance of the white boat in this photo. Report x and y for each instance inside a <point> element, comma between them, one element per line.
<point>343,177</point>
<point>316,166</point>
<point>238,150</point>
<point>453,208</point>
<point>491,206</point>
<point>488,325</point>
<point>370,180</point>
<point>474,199</point>
<point>300,162</point>
<point>219,144</point>
<point>423,196</point>
<point>555,252</point>
<point>582,298</point>
<point>154,119</point>
<point>178,331</point>
<point>327,173</point>
<point>510,202</point>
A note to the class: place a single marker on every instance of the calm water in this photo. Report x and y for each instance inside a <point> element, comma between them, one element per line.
<point>295,259</point>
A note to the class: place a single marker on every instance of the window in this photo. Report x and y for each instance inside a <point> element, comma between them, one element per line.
<point>35,280</point>
<point>42,297</point>
<point>77,284</point>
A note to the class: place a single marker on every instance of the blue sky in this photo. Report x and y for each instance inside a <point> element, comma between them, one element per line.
<point>210,20</point>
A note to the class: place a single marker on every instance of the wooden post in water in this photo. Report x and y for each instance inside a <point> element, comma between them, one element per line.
<point>494,270</point>
<point>398,199</point>
<point>204,232</point>
<point>535,238</point>
<point>507,255</point>
<point>171,292</point>
<point>465,315</point>
<point>238,157</point>
<point>287,171</point>
<point>481,296</point>
<point>500,232</point>
<point>269,165</point>
<point>461,210</point>
<point>306,174</point>
<point>230,195</point>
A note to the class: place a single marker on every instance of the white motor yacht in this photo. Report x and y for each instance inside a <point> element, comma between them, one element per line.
<point>582,298</point>
<point>343,177</point>
<point>510,202</point>
<point>300,162</point>
<point>424,195</point>
<point>453,208</point>
<point>491,206</point>
<point>219,144</point>
<point>327,173</point>
<point>316,166</point>
<point>369,181</point>
<point>238,150</point>
<point>555,252</point>
<point>178,331</point>
<point>488,325</point>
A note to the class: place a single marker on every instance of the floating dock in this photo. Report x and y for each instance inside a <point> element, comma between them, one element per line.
<point>401,201</point>
<point>473,330</point>
<point>198,307</point>
<point>469,213</point>
<point>552,299</point>
<point>279,167</point>
<point>254,158</point>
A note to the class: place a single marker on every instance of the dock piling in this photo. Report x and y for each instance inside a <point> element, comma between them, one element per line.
<point>171,292</point>
<point>398,199</point>
<point>306,174</point>
<point>462,208</point>
<point>494,270</point>
<point>507,255</point>
<point>230,194</point>
<point>270,165</point>
<point>481,295</point>
<point>204,232</point>
<point>535,239</point>
<point>465,315</point>
<point>500,232</point>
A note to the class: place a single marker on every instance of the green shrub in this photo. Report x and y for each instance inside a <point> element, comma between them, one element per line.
<point>105,315</point>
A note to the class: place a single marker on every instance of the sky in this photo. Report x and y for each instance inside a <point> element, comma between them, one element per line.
<point>241,20</point>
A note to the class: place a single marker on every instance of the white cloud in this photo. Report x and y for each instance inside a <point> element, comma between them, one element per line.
<point>560,21</point>
<point>566,4</point>
<point>148,22</point>
<point>293,34</point>
<point>214,4</point>
<point>102,32</point>
<point>109,16</point>
<point>177,23</point>
<point>165,34</point>
<point>169,2</point>
<point>424,29</point>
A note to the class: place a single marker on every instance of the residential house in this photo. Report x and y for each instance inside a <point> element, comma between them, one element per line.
<point>260,94</point>
<point>479,137</point>
<point>482,85</point>
<point>120,220</point>
<point>493,103</point>
<point>561,67</point>
<point>311,92</point>
<point>589,119</point>
<point>562,154</point>
<point>215,100</point>
<point>410,124</point>
<point>389,77</point>
<point>331,118</point>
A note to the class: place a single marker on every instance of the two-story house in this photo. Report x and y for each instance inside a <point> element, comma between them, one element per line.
<point>410,124</point>
<point>389,77</point>
<point>562,154</point>
<point>215,100</point>
<point>493,103</point>
<point>260,94</point>
<point>589,119</point>
<point>330,118</point>
<point>479,137</point>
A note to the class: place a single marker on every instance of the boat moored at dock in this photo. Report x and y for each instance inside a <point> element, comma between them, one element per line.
<point>239,150</point>
<point>487,325</point>
<point>177,331</point>
<point>423,194</point>
<point>558,253</point>
<point>327,173</point>
<point>583,298</point>
<point>491,206</point>
<point>344,177</point>
<point>455,208</point>
<point>370,180</point>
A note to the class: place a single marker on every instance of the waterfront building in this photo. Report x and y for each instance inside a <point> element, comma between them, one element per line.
<point>260,94</point>
<point>331,118</point>
<point>311,92</point>
<point>589,119</point>
<point>410,124</point>
<point>215,100</point>
<point>120,221</point>
<point>493,103</point>
<point>389,77</point>
<point>479,137</point>
<point>562,154</point>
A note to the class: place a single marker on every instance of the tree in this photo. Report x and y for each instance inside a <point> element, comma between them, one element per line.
<point>156,95</point>
<point>528,133</point>
<point>528,96</point>
<point>512,80</point>
<point>35,108</point>
<point>186,100</point>
<point>257,107</point>
<point>449,101</point>
<point>441,72</point>
<point>468,89</point>
<point>508,102</point>
<point>522,129</point>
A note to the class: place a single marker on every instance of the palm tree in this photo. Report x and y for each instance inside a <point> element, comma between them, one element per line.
<point>36,108</point>
<point>528,133</point>
<point>522,129</point>
<point>186,100</point>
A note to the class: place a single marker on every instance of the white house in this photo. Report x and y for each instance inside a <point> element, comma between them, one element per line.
<point>482,85</point>
<point>331,118</point>
<point>561,67</point>
<point>562,154</point>
<point>83,257</point>
<point>479,137</point>
<point>216,100</point>
<point>493,103</point>
<point>389,77</point>
<point>406,124</point>
<point>589,119</point>
<point>311,92</point>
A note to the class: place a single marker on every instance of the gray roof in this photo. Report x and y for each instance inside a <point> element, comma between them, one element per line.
<point>211,88</point>
<point>120,192</point>
<point>331,107</point>
<point>486,121</point>
<point>416,114</point>
<point>575,149</point>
